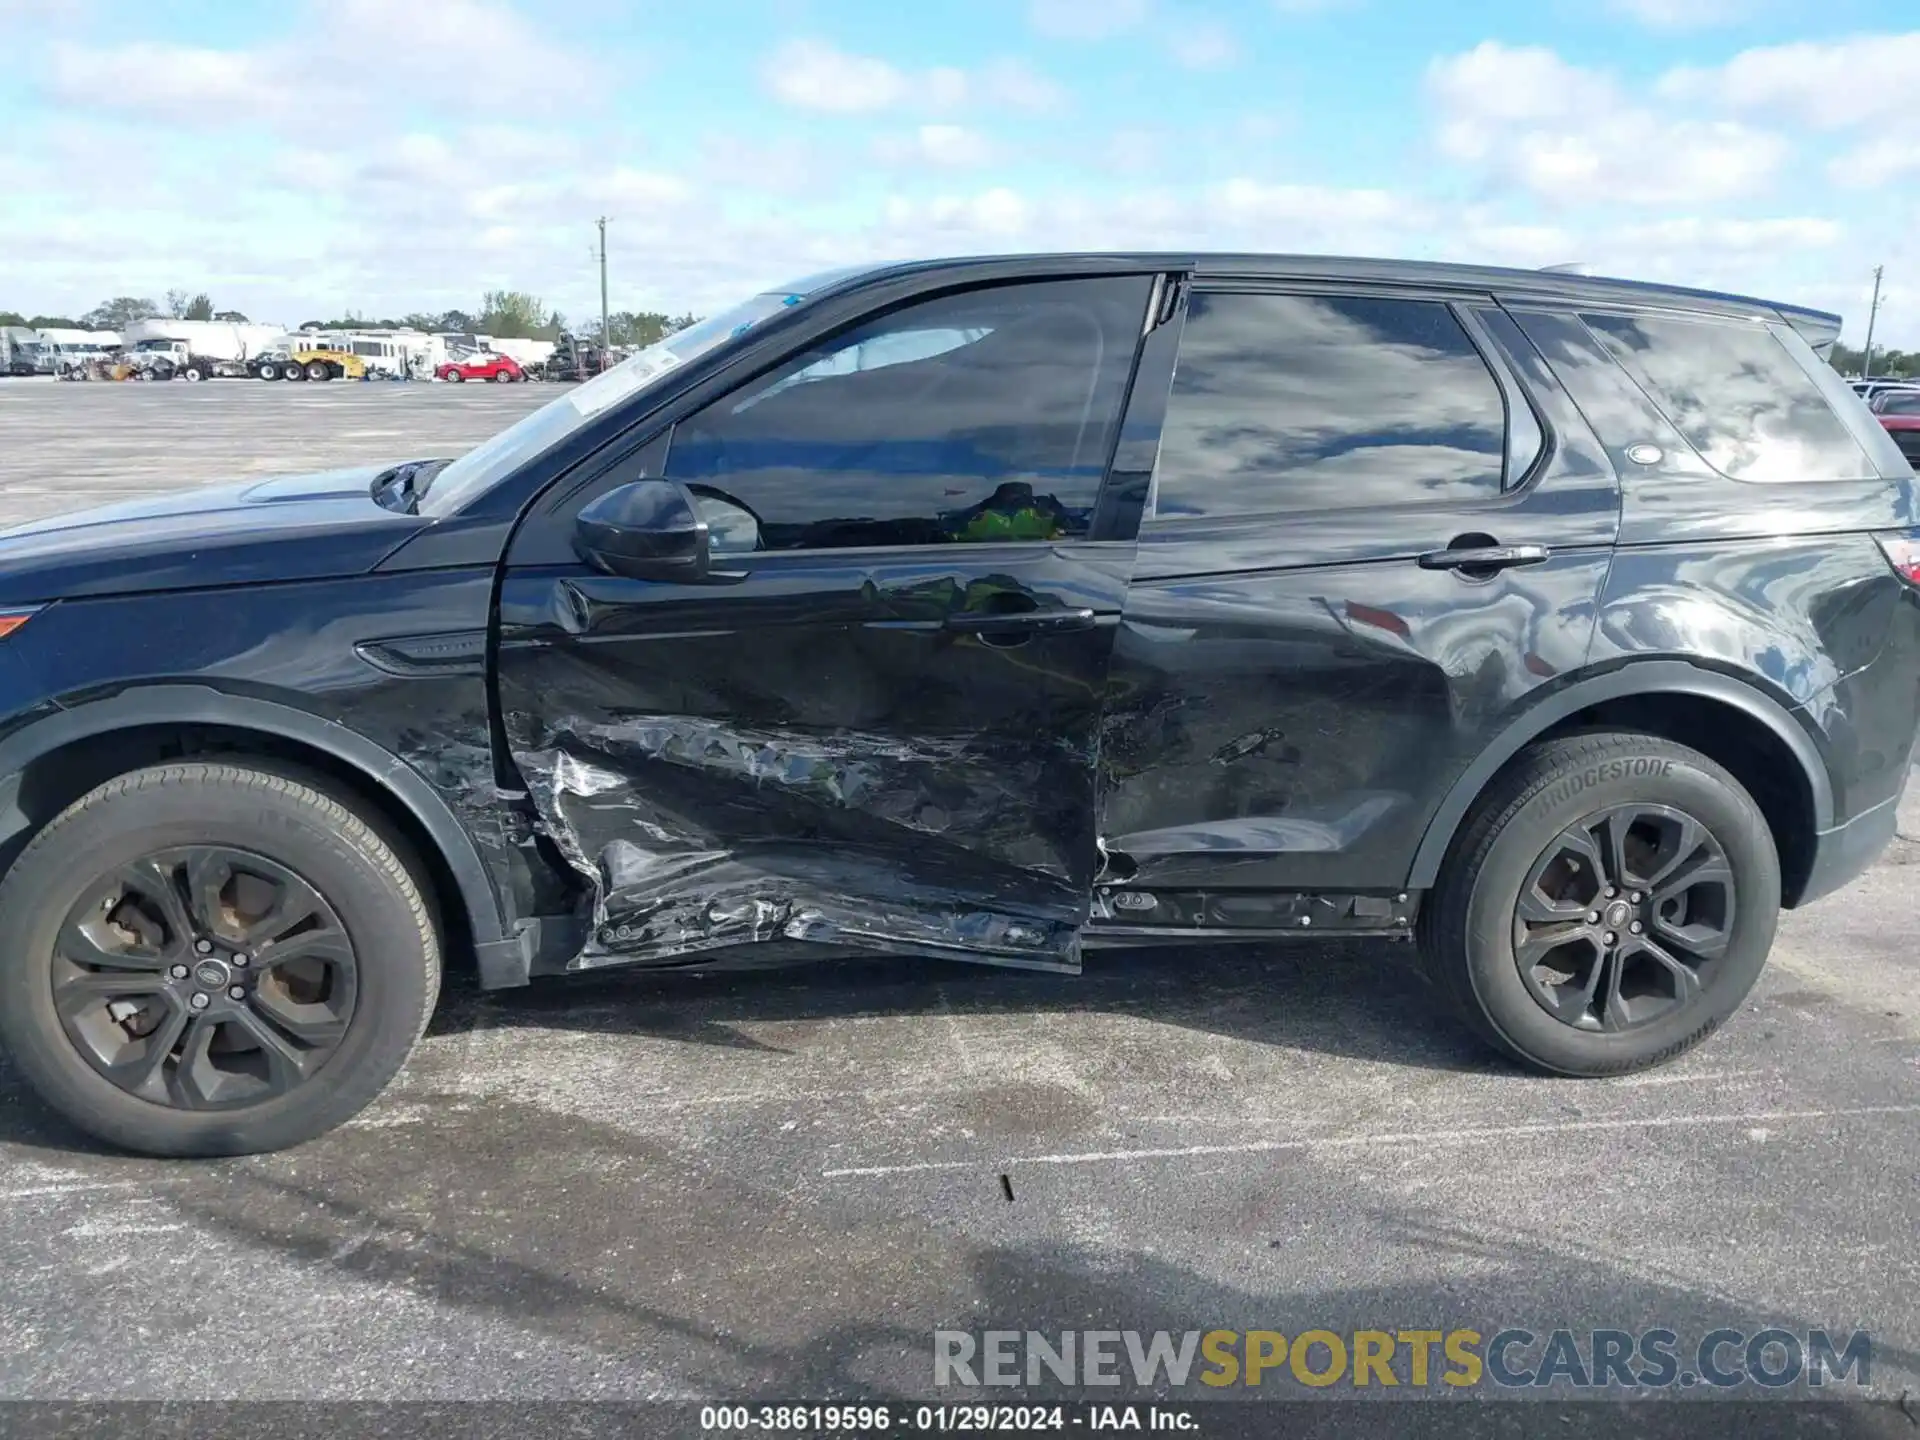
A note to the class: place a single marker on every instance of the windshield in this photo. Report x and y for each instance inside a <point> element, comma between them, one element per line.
<point>490,461</point>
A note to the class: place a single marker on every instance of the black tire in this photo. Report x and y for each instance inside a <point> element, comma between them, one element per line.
<point>291,371</point>
<point>319,370</point>
<point>1471,930</point>
<point>361,877</point>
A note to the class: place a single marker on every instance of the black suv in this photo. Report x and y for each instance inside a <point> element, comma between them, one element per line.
<point>984,609</point>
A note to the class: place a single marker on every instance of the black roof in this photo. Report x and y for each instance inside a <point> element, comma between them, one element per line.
<point>1498,280</point>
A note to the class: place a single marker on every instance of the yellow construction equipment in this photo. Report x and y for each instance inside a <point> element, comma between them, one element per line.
<point>316,363</point>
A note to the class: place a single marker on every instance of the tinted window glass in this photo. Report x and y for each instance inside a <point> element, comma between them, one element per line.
<point>1900,405</point>
<point>1302,402</point>
<point>978,417</point>
<point>1736,394</point>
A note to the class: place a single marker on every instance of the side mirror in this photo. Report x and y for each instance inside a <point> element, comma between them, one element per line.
<point>646,530</point>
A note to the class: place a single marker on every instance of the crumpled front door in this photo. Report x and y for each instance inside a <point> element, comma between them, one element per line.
<point>875,752</point>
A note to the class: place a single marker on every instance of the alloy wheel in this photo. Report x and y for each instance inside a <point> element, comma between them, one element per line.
<point>204,978</point>
<point>1624,918</point>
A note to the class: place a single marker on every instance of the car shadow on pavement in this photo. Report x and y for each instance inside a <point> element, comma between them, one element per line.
<point>707,1273</point>
<point>1353,999</point>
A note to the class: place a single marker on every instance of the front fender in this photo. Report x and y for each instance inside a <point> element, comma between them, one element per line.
<point>145,705</point>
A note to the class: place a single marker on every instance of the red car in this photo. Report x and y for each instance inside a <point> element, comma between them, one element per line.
<point>1901,420</point>
<point>498,368</point>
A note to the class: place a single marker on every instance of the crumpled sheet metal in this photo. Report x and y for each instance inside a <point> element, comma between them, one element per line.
<point>695,835</point>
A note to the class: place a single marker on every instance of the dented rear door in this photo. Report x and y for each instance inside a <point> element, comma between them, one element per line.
<point>881,733</point>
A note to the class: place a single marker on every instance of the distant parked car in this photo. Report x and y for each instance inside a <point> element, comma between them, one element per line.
<point>501,369</point>
<point>1900,418</point>
<point>1870,390</point>
<point>1886,395</point>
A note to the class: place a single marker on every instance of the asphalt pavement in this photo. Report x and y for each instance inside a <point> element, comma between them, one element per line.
<point>775,1187</point>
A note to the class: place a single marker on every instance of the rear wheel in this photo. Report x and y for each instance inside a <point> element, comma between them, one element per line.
<point>1610,904</point>
<point>201,959</point>
<point>319,370</point>
<point>293,371</point>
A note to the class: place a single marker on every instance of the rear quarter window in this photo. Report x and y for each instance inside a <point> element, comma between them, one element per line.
<point>1737,394</point>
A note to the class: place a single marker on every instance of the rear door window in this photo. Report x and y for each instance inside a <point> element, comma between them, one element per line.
<point>1738,396</point>
<point>1325,402</point>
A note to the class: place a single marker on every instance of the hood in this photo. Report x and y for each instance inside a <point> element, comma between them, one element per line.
<point>286,528</point>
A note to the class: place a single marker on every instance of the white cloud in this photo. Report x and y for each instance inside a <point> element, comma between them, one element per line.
<point>813,75</point>
<point>1085,19</point>
<point>1636,159</point>
<point>1889,157</point>
<point>1204,45</point>
<point>1016,84</point>
<point>1830,84</point>
<point>1571,135</point>
<point>1483,94</point>
<point>172,82</point>
<point>1684,14</point>
<point>358,53</point>
<point>1720,235</point>
<point>946,147</point>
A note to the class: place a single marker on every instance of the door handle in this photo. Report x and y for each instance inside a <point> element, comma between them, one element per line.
<point>1020,622</point>
<point>1485,557</point>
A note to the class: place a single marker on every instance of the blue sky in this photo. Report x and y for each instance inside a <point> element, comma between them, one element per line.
<point>297,158</point>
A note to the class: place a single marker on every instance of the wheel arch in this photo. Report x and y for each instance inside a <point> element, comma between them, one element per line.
<point>99,739</point>
<point>1731,721</point>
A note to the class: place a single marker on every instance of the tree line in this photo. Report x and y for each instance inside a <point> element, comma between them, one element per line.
<point>1893,364</point>
<point>506,314</point>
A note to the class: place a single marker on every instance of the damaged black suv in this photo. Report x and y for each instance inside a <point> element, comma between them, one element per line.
<point>989,610</point>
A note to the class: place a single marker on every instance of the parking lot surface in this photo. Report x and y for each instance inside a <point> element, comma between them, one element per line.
<point>776,1186</point>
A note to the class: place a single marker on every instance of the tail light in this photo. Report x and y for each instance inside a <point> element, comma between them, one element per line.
<point>1902,549</point>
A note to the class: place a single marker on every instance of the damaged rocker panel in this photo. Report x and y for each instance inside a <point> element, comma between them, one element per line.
<point>1126,911</point>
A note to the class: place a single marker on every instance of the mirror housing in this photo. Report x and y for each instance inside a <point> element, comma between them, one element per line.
<point>645,530</point>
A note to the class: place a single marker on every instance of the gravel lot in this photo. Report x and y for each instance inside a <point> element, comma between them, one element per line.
<point>775,1187</point>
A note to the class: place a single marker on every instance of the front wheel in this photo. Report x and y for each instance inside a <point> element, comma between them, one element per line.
<point>202,959</point>
<point>319,370</point>
<point>1609,905</point>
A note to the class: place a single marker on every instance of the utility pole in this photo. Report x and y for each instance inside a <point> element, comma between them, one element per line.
<point>1866,365</point>
<point>606,329</point>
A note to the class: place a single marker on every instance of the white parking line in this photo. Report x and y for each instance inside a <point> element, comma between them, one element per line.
<point>1471,1136</point>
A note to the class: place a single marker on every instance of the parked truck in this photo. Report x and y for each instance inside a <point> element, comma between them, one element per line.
<point>19,350</point>
<point>176,360</point>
